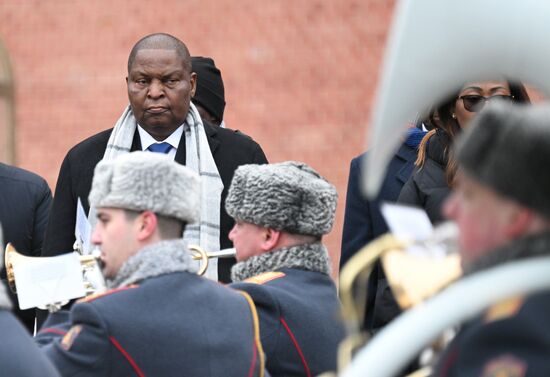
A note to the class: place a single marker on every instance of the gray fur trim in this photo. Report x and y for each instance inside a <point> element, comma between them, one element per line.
<point>288,196</point>
<point>309,257</point>
<point>507,147</point>
<point>154,260</point>
<point>529,246</point>
<point>143,181</point>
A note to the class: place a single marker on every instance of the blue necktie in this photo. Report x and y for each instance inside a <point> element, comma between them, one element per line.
<point>160,147</point>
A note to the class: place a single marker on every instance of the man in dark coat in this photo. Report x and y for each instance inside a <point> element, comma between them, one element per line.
<point>159,318</point>
<point>24,208</point>
<point>160,86</point>
<point>363,222</point>
<point>502,208</point>
<point>281,213</point>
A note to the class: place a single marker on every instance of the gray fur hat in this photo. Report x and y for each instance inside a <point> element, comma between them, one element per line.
<point>144,181</point>
<point>507,147</point>
<point>288,196</point>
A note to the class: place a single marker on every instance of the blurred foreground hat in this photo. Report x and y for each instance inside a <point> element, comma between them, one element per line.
<point>507,147</point>
<point>143,181</point>
<point>210,92</point>
<point>288,196</point>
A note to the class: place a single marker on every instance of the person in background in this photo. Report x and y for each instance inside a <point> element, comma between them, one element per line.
<point>363,222</point>
<point>159,317</point>
<point>433,178</point>
<point>25,204</point>
<point>209,97</point>
<point>159,119</point>
<point>501,205</point>
<point>281,213</point>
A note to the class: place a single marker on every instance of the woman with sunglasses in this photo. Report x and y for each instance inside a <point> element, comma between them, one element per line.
<point>435,169</point>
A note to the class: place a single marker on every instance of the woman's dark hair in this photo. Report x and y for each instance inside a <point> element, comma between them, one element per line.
<point>443,120</point>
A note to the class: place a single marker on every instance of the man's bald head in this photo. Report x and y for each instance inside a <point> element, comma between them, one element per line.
<point>161,41</point>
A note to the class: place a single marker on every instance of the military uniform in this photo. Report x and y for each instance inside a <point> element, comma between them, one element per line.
<point>19,356</point>
<point>298,309</point>
<point>160,321</point>
<point>512,338</point>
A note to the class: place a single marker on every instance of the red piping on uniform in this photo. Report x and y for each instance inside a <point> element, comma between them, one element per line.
<point>448,362</point>
<point>127,356</point>
<point>53,331</point>
<point>304,362</point>
<point>254,352</point>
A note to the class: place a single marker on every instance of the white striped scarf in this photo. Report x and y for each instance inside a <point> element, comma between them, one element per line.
<point>198,158</point>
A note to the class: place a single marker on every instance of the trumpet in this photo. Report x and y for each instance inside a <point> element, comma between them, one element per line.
<point>198,253</point>
<point>93,279</point>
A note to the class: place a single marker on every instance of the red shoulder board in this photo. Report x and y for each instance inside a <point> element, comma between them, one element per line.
<point>95,296</point>
<point>265,277</point>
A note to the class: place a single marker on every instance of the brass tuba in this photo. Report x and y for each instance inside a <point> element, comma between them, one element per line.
<point>415,271</point>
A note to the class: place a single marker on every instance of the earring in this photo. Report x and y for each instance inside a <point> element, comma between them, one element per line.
<point>453,115</point>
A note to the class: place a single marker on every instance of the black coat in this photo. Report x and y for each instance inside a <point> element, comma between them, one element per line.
<point>510,339</point>
<point>19,356</point>
<point>229,148</point>
<point>176,324</point>
<point>25,201</point>
<point>363,222</point>
<point>300,323</point>
<point>427,188</point>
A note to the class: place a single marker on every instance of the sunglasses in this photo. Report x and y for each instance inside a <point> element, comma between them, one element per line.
<point>474,102</point>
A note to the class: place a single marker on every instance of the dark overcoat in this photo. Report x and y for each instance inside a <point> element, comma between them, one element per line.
<point>363,222</point>
<point>25,201</point>
<point>19,356</point>
<point>300,323</point>
<point>230,149</point>
<point>171,325</point>
<point>512,338</point>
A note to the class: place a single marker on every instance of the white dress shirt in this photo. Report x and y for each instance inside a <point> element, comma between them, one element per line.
<point>174,140</point>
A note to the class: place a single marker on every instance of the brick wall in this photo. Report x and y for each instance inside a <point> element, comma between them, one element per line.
<point>299,74</point>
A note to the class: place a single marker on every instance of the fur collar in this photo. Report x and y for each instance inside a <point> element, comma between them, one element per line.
<point>5,302</point>
<point>154,260</point>
<point>529,246</point>
<point>309,257</point>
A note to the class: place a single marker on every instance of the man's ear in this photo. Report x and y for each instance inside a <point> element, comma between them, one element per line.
<point>519,222</point>
<point>146,224</point>
<point>270,239</point>
<point>193,81</point>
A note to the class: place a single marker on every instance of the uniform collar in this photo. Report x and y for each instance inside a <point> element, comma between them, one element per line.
<point>309,257</point>
<point>161,258</point>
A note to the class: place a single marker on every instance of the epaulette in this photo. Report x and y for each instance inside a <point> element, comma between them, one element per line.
<point>95,296</point>
<point>504,309</point>
<point>265,277</point>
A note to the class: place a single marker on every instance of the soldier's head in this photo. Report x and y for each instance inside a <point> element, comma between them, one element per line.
<point>503,183</point>
<point>160,83</point>
<point>141,198</point>
<point>209,97</point>
<point>278,205</point>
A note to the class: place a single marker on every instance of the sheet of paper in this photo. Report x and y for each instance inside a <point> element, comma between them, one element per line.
<point>83,229</point>
<point>409,223</point>
<point>43,281</point>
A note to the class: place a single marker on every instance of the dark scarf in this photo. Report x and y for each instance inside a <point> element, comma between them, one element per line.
<point>309,257</point>
<point>533,245</point>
